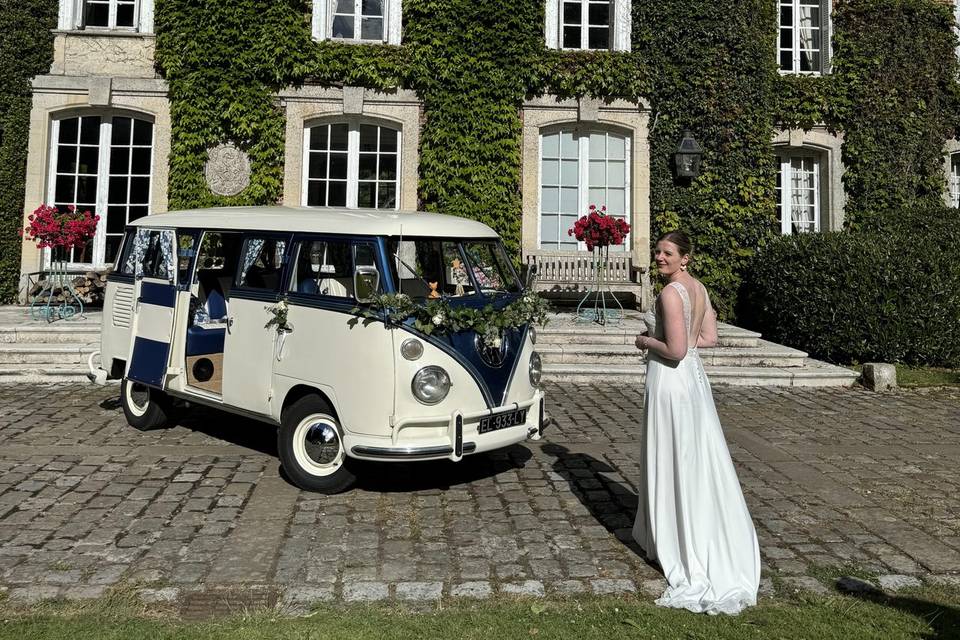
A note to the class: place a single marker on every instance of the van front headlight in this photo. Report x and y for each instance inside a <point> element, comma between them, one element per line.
<point>431,384</point>
<point>536,369</point>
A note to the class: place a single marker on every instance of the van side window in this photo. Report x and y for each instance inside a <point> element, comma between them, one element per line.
<point>261,263</point>
<point>125,263</point>
<point>325,267</point>
<point>148,253</point>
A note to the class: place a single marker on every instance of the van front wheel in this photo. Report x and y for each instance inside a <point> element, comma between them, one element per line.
<point>144,407</point>
<point>310,443</point>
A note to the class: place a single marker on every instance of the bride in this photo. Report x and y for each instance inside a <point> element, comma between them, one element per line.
<point>691,517</point>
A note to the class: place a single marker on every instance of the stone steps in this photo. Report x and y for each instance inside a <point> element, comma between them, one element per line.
<point>58,353</point>
<point>763,354</point>
<point>585,352</point>
<point>41,351</point>
<point>625,333</point>
<point>86,333</point>
<point>813,374</point>
<point>43,373</point>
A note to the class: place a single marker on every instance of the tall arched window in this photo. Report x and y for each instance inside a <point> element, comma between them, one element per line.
<point>104,163</point>
<point>579,168</point>
<point>351,164</point>
<point>799,190</point>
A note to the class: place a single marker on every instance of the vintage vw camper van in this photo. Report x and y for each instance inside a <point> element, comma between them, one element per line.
<point>253,310</point>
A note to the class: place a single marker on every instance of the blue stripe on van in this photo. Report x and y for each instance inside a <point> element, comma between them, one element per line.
<point>149,361</point>
<point>496,379</point>
<point>161,295</point>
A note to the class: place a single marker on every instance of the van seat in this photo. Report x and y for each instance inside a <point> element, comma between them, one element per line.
<point>206,339</point>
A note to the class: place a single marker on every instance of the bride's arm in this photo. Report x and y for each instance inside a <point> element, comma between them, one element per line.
<point>674,343</point>
<point>708,328</point>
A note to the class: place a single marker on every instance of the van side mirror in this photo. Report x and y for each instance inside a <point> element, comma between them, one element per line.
<point>366,283</point>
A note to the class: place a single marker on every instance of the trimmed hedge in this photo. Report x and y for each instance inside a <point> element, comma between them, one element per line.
<point>890,293</point>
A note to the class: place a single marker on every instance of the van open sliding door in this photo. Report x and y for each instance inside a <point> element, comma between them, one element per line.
<point>155,295</point>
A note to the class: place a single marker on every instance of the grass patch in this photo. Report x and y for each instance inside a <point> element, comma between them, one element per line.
<point>924,613</point>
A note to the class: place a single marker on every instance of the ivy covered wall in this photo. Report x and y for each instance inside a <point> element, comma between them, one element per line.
<point>26,49</point>
<point>700,64</point>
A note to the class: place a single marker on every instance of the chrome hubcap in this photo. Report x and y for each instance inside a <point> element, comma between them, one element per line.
<point>322,444</point>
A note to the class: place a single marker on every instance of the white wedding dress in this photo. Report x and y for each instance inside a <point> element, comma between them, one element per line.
<point>691,516</point>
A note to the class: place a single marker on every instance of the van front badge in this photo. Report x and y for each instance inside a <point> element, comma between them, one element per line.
<point>491,356</point>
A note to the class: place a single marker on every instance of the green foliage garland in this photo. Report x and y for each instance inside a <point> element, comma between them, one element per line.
<point>438,316</point>
<point>26,50</point>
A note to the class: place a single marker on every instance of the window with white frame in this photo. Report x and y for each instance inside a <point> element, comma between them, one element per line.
<point>115,15</point>
<point>804,36</point>
<point>102,163</point>
<point>954,180</point>
<point>577,169</point>
<point>351,164</point>
<point>798,191</point>
<point>598,25</point>
<point>357,20</point>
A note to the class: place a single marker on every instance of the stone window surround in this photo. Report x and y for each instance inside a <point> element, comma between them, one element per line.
<point>618,115</point>
<point>584,159</point>
<point>620,15</point>
<point>71,12</point>
<point>832,197</point>
<point>951,148</point>
<point>353,154</point>
<point>63,96</point>
<point>309,105</point>
<point>321,22</point>
<point>826,43</point>
<point>103,172</point>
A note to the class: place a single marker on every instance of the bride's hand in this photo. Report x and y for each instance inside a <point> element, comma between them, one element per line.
<point>641,342</point>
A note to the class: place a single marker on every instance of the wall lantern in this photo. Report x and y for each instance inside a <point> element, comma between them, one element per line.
<point>688,156</point>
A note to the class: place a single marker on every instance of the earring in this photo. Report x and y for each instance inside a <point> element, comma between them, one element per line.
<point>683,267</point>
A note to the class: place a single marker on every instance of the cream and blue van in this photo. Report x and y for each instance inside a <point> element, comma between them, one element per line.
<point>254,310</point>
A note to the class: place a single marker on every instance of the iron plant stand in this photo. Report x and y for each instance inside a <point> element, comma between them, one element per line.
<point>600,288</point>
<point>50,310</point>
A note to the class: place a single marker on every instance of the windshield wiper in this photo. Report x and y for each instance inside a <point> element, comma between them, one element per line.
<point>414,272</point>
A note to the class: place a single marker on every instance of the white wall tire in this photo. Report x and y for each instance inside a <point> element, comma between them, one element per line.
<point>145,408</point>
<point>311,448</point>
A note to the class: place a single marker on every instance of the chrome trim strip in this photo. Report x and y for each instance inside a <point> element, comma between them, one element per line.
<point>409,452</point>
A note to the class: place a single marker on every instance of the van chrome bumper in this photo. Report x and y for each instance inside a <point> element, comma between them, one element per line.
<point>451,447</point>
<point>97,375</point>
<point>410,453</point>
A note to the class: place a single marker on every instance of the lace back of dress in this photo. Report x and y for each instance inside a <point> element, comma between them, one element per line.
<point>685,296</point>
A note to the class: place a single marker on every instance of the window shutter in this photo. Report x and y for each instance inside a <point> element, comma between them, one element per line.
<point>826,37</point>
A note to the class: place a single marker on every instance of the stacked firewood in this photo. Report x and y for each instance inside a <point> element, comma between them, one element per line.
<point>89,287</point>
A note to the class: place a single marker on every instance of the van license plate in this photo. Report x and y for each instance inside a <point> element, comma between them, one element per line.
<point>502,420</point>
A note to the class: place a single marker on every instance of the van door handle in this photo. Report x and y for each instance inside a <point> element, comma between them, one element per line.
<point>229,323</point>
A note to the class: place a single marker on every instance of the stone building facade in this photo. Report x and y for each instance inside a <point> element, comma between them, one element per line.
<point>100,133</point>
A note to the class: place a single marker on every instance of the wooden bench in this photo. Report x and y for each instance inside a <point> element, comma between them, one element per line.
<point>574,272</point>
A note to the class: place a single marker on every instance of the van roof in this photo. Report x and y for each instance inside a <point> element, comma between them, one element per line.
<point>371,222</point>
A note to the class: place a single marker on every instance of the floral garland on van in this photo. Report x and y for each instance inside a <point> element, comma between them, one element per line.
<point>438,316</point>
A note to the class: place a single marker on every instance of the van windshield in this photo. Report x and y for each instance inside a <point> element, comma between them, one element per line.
<point>439,267</point>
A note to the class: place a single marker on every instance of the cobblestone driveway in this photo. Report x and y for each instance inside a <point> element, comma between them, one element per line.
<point>842,478</point>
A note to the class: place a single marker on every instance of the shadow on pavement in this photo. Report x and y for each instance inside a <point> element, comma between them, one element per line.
<point>593,482</point>
<point>243,432</point>
<point>383,477</point>
<point>392,477</point>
